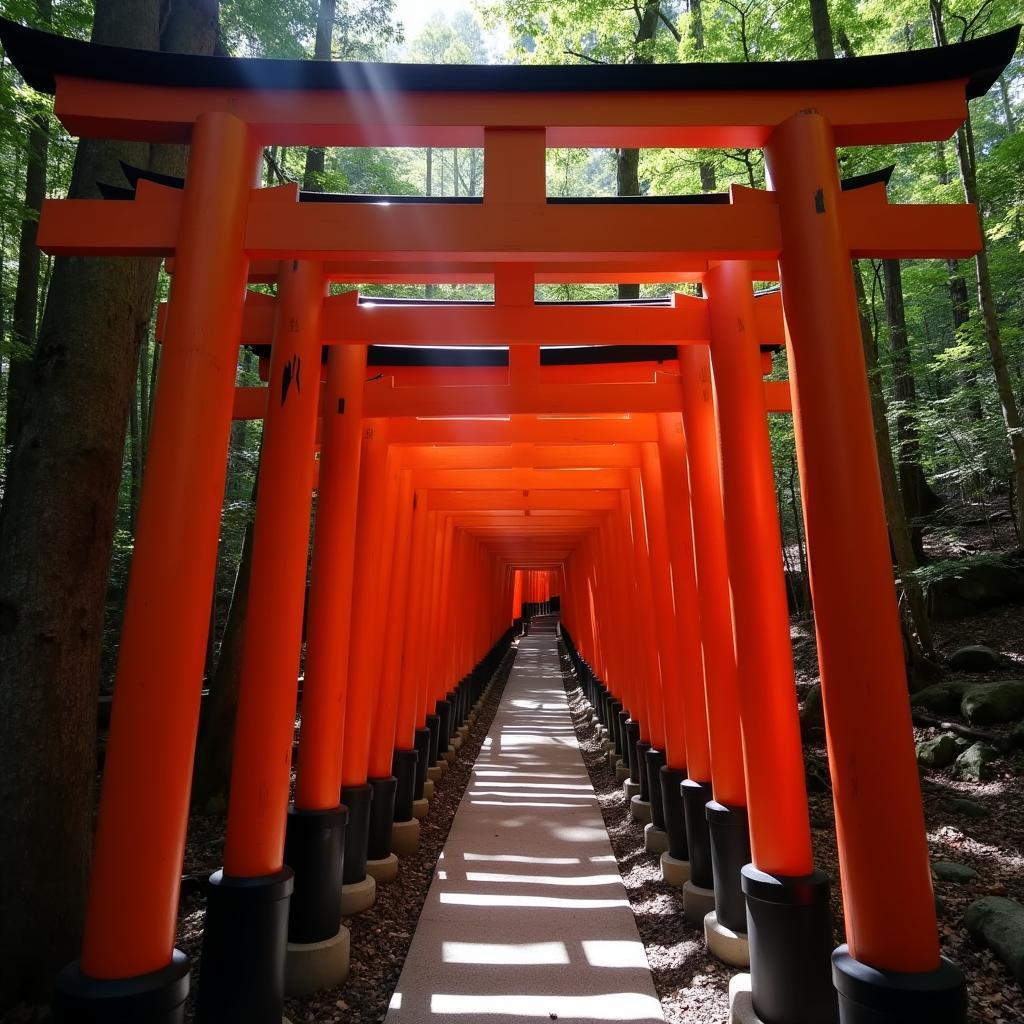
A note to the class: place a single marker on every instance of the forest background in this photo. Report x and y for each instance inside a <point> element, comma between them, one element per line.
<point>79,364</point>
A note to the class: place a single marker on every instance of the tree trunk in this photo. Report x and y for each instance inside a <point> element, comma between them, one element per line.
<point>821,27</point>
<point>627,161</point>
<point>986,302</point>
<point>56,535</point>
<point>26,291</point>
<point>212,776</point>
<point>708,182</point>
<point>429,290</point>
<point>1004,94</point>
<point>899,534</point>
<point>313,176</point>
<point>959,304</point>
<point>135,459</point>
<point>918,497</point>
<point>144,392</point>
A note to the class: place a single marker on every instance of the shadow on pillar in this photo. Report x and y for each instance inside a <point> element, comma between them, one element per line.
<point>245,941</point>
<point>157,998</point>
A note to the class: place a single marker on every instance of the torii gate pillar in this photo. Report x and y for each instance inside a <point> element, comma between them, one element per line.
<point>891,967</point>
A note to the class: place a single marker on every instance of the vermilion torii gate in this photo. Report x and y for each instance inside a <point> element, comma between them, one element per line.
<point>696,659</point>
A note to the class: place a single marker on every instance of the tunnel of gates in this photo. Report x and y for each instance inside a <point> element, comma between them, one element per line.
<point>612,455</point>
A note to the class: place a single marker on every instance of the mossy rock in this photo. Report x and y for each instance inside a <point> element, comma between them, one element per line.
<point>938,752</point>
<point>976,658</point>
<point>994,703</point>
<point>999,924</point>
<point>968,808</point>
<point>950,871</point>
<point>974,763</point>
<point>941,698</point>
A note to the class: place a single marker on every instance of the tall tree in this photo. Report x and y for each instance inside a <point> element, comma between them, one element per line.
<point>966,158</point>
<point>56,534</point>
<point>26,293</point>
<point>918,497</point>
<point>313,177</point>
<point>896,514</point>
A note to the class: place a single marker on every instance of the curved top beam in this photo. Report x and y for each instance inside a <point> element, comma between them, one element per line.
<point>42,56</point>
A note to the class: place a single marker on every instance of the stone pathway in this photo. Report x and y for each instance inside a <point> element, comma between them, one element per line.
<point>527,918</point>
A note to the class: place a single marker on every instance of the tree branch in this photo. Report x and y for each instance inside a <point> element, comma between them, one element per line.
<point>668,24</point>
<point>583,56</point>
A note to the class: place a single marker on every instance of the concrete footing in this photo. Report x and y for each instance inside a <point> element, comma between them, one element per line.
<point>698,902</point>
<point>675,872</point>
<point>358,896</point>
<point>613,758</point>
<point>607,745</point>
<point>435,773</point>
<point>655,839</point>
<point>630,788</point>
<point>455,745</point>
<point>463,731</point>
<point>640,810</point>
<point>383,870</point>
<point>428,789</point>
<point>405,837</point>
<point>313,966</point>
<point>452,752</point>
<point>420,808</point>
<point>741,1001</point>
<point>622,773</point>
<point>728,946</point>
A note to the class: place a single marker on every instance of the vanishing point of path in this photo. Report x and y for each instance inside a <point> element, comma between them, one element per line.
<point>527,918</point>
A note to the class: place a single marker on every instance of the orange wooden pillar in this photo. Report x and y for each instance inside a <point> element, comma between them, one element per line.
<point>883,853</point>
<point>673,701</point>
<point>140,839</point>
<point>788,901</point>
<point>692,457</point>
<point>359,890</point>
<point>412,739</point>
<point>247,909</point>
<point>646,611</point>
<point>382,862</point>
<point>638,723</point>
<point>314,842</point>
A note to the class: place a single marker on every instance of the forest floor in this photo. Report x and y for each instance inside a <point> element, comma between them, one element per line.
<point>692,985</point>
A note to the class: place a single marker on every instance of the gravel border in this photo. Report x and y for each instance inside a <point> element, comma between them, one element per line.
<point>380,938</point>
<point>692,985</point>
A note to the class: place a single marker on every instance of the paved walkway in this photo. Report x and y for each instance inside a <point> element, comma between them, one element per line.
<point>527,918</point>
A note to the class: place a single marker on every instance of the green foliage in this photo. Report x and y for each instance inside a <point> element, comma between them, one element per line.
<point>962,438</point>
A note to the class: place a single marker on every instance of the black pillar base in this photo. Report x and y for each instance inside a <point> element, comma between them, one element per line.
<point>698,838</point>
<point>434,725</point>
<point>730,853</point>
<point>632,739</point>
<point>670,780</point>
<point>654,761</point>
<point>641,770</point>
<point>157,998</point>
<point>244,942</point>
<point>620,730</point>
<point>382,817</point>
<point>423,761</point>
<point>357,836</point>
<point>444,716</point>
<point>870,996</point>
<point>404,766</point>
<point>314,848</point>
<point>789,928</point>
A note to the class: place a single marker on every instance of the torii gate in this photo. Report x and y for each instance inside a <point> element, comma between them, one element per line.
<point>220,226</point>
